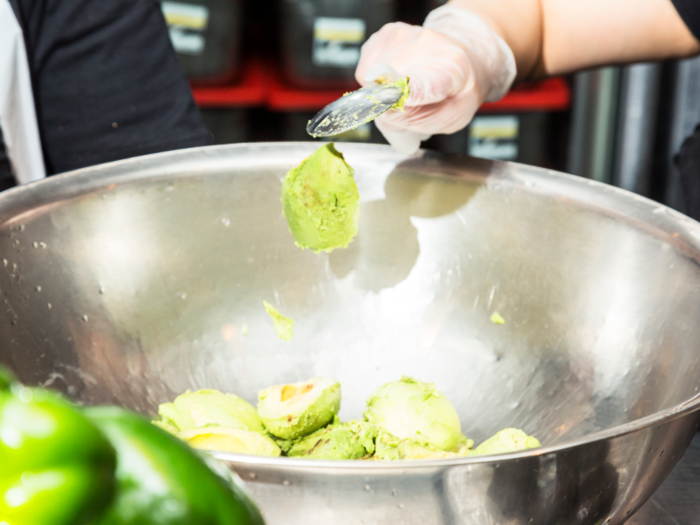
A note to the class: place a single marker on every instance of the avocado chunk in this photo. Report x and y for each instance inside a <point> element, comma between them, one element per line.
<point>390,447</point>
<point>208,408</point>
<point>321,202</point>
<point>417,411</point>
<point>234,440</point>
<point>507,440</point>
<point>464,448</point>
<point>296,410</point>
<point>283,325</point>
<point>351,440</point>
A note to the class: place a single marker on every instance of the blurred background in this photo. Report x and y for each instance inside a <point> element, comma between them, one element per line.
<point>260,70</point>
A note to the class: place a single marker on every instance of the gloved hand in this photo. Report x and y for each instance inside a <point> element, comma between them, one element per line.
<point>454,62</point>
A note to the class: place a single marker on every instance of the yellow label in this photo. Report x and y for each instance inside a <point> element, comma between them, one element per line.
<point>494,137</point>
<point>494,128</point>
<point>342,36</point>
<point>349,30</point>
<point>188,16</point>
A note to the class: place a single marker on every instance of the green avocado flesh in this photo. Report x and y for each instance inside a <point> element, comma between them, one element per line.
<point>232,440</point>
<point>213,420</point>
<point>403,420</point>
<point>295,410</point>
<point>507,440</point>
<point>403,84</point>
<point>321,202</point>
<point>411,409</point>
<point>352,440</point>
<point>208,407</point>
<point>284,326</point>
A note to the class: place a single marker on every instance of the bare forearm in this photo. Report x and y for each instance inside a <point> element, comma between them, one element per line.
<point>518,22</point>
<point>596,32</point>
<point>551,37</point>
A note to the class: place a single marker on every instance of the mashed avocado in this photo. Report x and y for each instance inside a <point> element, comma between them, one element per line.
<point>390,447</point>
<point>352,440</point>
<point>403,83</point>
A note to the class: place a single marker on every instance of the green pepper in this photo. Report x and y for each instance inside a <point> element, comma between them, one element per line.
<point>6,378</point>
<point>162,481</point>
<point>56,468</point>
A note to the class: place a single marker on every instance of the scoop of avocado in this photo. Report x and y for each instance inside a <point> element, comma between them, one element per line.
<point>208,407</point>
<point>321,202</point>
<point>295,410</point>
<point>417,411</point>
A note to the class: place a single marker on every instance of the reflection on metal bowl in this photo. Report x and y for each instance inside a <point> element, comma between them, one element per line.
<point>131,282</point>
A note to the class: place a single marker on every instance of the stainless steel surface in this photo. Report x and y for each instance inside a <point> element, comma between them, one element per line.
<point>636,127</point>
<point>130,282</point>
<point>676,502</point>
<point>592,142</point>
<point>354,109</point>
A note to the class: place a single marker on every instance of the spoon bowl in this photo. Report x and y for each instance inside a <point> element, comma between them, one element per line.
<point>354,109</point>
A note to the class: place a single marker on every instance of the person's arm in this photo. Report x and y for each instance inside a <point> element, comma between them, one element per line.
<point>471,51</point>
<point>552,37</point>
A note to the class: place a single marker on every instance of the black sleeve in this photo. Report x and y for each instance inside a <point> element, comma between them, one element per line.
<point>7,179</point>
<point>688,163</point>
<point>107,83</point>
<point>690,13</point>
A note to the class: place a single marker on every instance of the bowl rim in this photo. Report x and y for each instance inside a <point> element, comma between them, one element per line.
<point>656,419</point>
<point>658,220</point>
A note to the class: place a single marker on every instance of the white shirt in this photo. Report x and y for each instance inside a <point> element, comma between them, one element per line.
<point>17,113</point>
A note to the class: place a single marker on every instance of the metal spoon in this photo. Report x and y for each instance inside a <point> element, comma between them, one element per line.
<point>354,109</point>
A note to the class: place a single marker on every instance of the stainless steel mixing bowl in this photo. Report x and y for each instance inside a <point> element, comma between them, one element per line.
<point>131,282</point>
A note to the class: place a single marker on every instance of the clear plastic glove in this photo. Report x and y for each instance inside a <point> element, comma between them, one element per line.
<point>454,62</point>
